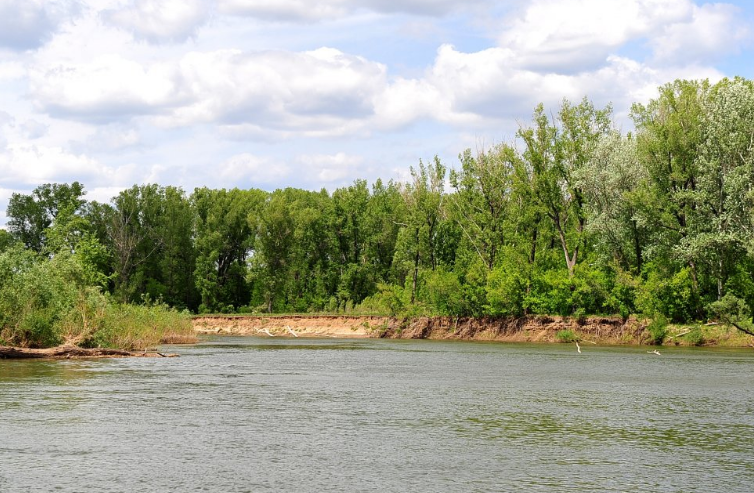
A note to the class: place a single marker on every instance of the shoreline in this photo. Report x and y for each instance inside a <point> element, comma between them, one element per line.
<point>75,352</point>
<point>535,329</point>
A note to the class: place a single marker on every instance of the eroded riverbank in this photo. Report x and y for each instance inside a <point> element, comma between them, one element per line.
<point>539,329</point>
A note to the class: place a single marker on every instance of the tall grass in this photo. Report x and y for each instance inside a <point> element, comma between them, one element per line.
<point>50,301</point>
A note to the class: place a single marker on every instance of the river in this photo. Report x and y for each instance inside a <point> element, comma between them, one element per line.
<point>337,415</point>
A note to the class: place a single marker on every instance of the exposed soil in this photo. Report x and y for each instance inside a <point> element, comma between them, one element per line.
<point>601,330</point>
<point>75,352</point>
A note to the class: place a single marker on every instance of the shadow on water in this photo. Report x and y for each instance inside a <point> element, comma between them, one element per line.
<point>47,372</point>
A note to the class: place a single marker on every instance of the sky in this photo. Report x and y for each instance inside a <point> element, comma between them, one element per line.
<point>318,93</point>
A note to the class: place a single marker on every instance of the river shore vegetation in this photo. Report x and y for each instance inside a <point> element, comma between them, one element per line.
<point>572,218</point>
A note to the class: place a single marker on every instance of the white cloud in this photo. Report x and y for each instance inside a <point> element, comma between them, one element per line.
<point>33,129</point>
<point>249,168</point>
<point>288,10</point>
<point>27,24</point>
<point>6,118</point>
<point>321,92</point>
<point>328,168</point>
<point>161,20</point>
<point>109,138</point>
<point>315,10</point>
<point>102,195</point>
<point>712,30</point>
<point>10,71</point>
<point>106,89</point>
<point>569,36</point>
<point>475,90</point>
<point>34,164</point>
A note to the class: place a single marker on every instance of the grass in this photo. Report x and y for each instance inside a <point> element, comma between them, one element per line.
<point>566,335</point>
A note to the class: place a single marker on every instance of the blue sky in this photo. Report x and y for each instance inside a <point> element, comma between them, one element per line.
<point>318,93</point>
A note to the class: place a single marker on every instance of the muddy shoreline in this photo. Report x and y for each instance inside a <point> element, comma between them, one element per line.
<point>601,330</point>
<point>536,329</point>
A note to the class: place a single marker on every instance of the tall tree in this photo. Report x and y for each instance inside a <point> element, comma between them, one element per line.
<point>420,236</point>
<point>481,200</point>
<point>224,241</point>
<point>556,151</point>
<point>31,216</point>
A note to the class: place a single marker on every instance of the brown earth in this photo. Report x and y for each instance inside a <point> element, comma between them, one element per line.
<point>600,330</point>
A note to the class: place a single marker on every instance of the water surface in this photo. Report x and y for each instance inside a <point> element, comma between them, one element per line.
<point>297,415</point>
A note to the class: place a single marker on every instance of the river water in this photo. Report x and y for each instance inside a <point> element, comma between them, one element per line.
<point>327,415</point>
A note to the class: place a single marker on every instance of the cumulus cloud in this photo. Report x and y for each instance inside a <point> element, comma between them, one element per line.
<point>315,10</point>
<point>35,164</point>
<point>27,24</point>
<point>107,89</point>
<point>328,168</point>
<point>320,91</point>
<point>710,30</point>
<point>109,138</point>
<point>33,129</point>
<point>161,20</point>
<point>578,35</point>
<point>485,86</point>
<point>250,168</point>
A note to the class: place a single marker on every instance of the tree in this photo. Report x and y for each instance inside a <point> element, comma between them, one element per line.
<point>669,136</point>
<point>31,216</point>
<point>613,182</point>
<point>419,238</point>
<point>224,241</point>
<point>555,152</point>
<point>483,188</point>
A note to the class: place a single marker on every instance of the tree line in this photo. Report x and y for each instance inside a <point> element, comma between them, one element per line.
<point>572,217</point>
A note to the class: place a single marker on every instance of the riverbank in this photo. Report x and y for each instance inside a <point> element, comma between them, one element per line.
<point>539,329</point>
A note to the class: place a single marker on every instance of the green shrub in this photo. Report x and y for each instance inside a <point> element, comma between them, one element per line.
<point>670,295</point>
<point>566,335</point>
<point>695,337</point>
<point>49,301</point>
<point>658,329</point>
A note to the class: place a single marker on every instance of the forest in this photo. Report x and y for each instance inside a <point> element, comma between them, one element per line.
<point>573,217</point>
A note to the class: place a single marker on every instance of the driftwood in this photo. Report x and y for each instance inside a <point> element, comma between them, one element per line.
<point>75,352</point>
<point>681,334</point>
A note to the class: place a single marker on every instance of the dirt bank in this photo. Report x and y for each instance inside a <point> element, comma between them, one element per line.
<point>597,330</point>
<point>601,330</point>
<point>306,326</point>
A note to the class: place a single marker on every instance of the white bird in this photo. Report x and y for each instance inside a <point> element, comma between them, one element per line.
<point>654,352</point>
<point>578,348</point>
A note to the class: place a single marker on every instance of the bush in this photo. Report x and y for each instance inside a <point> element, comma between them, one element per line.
<point>45,302</point>
<point>670,295</point>
<point>506,288</point>
<point>444,293</point>
<point>566,335</point>
<point>658,329</point>
<point>695,337</point>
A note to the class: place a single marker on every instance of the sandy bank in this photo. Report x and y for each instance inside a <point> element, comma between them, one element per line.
<point>597,330</point>
<point>603,330</point>
<point>305,326</point>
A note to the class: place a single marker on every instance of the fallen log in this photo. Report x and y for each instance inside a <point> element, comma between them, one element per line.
<point>75,352</point>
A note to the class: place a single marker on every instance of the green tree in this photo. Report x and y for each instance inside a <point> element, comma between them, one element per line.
<point>419,238</point>
<point>31,216</point>
<point>481,200</point>
<point>556,151</point>
<point>224,241</point>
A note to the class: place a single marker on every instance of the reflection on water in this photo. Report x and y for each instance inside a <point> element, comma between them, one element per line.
<point>253,414</point>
